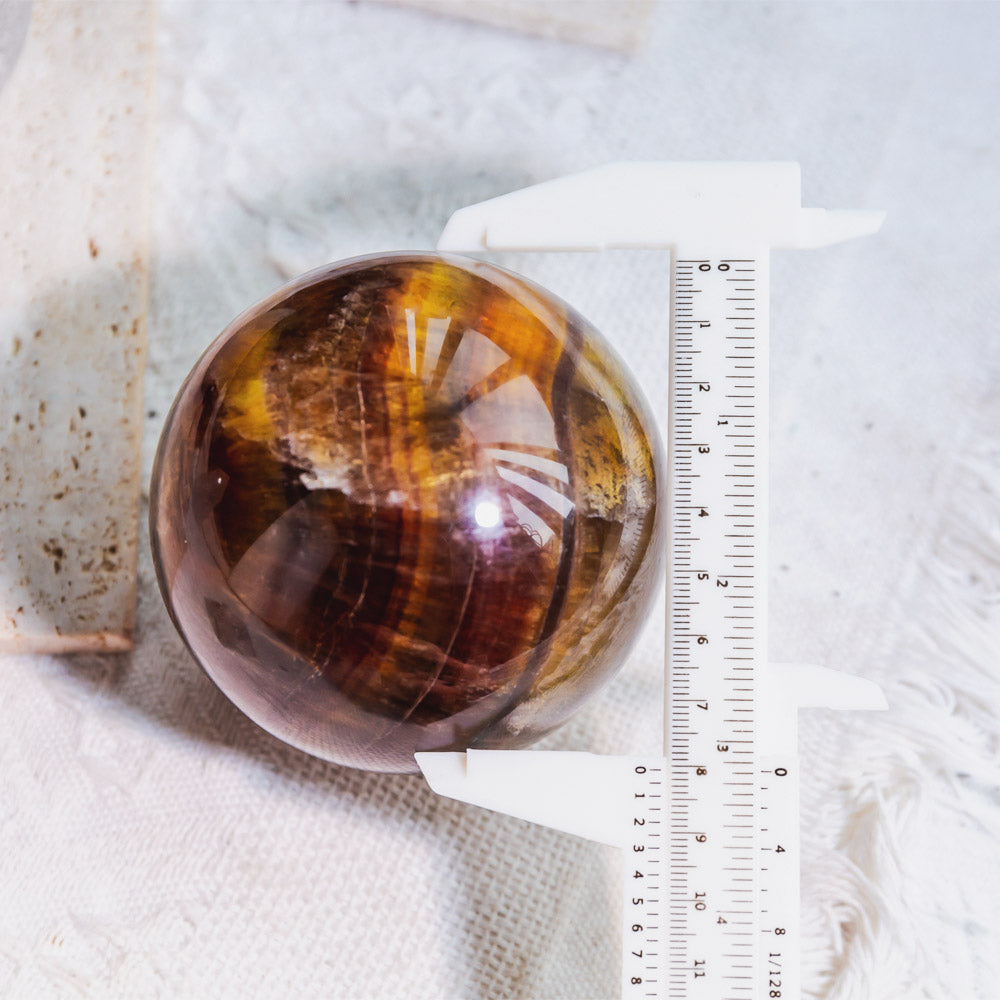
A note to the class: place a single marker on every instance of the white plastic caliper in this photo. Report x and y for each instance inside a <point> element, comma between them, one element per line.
<point>709,830</point>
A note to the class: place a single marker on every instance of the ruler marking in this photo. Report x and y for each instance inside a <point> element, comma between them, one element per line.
<point>720,454</point>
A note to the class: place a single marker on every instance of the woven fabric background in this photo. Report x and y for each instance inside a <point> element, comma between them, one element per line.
<point>153,842</point>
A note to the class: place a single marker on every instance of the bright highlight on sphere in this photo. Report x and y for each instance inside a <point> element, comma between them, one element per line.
<point>487,514</point>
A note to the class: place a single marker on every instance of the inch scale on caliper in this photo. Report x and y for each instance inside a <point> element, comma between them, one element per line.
<point>717,622</point>
<point>708,830</point>
<point>717,900</point>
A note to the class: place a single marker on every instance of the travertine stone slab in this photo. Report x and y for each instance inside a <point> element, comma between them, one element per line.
<point>74,185</point>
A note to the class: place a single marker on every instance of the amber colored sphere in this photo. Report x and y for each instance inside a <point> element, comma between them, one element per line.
<point>409,502</point>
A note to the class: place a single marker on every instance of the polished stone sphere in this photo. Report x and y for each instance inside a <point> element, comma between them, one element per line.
<point>409,502</point>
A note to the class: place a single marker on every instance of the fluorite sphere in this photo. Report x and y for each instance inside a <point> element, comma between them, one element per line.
<point>409,502</point>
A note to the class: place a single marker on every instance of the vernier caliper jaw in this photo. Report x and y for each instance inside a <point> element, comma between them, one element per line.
<point>582,793</point>
<point>656,205</point>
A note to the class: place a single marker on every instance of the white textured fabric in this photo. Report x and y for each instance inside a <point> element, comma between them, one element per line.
<point>153,842</point>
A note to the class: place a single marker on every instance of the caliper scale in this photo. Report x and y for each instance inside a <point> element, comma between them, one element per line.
<point>709,829</point>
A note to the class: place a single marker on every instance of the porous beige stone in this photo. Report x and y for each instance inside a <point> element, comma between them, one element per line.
<point>74,190</point>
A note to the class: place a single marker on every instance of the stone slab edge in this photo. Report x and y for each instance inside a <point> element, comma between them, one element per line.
<point>75,184</point>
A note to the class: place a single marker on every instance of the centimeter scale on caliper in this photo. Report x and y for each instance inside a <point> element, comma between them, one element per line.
<point>713,888</point>
<point>709,828</point>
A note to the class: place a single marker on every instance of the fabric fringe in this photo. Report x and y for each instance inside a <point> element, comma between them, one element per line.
<point>901,901</point>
